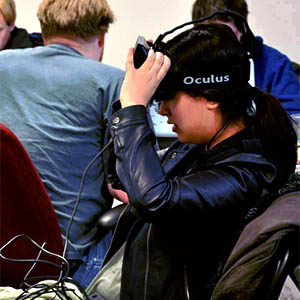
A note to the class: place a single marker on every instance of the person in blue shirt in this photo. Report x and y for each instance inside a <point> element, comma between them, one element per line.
<point>274,72</point>
<point>56,99</point>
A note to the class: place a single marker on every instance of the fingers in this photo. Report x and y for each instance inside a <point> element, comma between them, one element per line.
<point>129,60</point>
<point>140,84</point>
<point>147,65</point>
<point>157,63</point>
<point>160,66</point>
<point>164,68</point>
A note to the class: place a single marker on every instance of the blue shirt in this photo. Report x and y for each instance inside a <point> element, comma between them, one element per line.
<point>274,73</point>
<point>56,100</point>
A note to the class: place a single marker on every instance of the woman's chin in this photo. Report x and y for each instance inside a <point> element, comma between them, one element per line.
<point>182,139</point>
<point>188,139</point>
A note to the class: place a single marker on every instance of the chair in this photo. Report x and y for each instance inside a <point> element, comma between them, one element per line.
<point>287,264</point>
<point>25,209</point>
<point>266,253</point>
<point>109,219</point>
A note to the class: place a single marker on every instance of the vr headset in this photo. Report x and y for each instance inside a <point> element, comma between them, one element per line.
<point>215,77</point>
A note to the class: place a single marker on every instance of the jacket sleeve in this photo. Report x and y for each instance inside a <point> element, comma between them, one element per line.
<point>152,194</point>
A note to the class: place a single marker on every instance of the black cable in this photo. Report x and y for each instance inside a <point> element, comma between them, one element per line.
<point>59,286</point>
<point>32,267</point>
<point>79,194</point>
<point>30,260</point>
<point>226,12</point>
<point>201,20</point>
<point>59,289</point>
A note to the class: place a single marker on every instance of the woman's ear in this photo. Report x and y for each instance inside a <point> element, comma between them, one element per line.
<point>211,105</point>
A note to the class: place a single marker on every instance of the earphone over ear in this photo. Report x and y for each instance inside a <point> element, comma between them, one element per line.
<point>247,38</point>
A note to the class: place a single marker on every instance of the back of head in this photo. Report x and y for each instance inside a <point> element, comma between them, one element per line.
<point>215,49</point>
<point>203,8</point>
<point>74,18</point>
<point>8,10</point>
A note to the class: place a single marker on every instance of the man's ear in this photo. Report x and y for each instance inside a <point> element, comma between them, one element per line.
<point>11,26</point>
<point>101,40</point>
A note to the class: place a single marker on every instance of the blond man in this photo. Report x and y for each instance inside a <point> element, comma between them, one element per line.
<point>56,98</point>
<point>12,37</point>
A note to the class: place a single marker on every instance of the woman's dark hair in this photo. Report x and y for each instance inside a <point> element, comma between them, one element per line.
<point>211,46</point>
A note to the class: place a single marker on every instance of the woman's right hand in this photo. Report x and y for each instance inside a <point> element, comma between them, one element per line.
<point>140,84</point>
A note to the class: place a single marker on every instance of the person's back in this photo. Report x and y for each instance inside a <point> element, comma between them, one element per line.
<point>274,72</point>
<point>55,98</point>
<point>52,98</point>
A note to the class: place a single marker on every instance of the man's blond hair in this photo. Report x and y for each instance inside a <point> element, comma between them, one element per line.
<point>74,18</point>
<point>8,10</point>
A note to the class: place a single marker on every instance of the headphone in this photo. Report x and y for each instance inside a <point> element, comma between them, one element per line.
<point>205,78</point>
<point>142,46</point>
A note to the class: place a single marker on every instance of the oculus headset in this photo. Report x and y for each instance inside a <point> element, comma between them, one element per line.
<point>205,78</point>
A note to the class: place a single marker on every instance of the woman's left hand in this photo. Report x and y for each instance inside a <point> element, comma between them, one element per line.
<point>140,84</point>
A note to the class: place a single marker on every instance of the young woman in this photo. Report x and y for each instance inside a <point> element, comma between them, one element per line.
<point>235,143</point>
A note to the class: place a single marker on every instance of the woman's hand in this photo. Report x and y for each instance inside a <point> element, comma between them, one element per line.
<point>140,84</point>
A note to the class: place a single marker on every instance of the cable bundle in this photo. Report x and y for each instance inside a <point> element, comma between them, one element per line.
<point>60,288</point>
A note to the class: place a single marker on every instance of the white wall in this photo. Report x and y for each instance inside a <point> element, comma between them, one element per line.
<point>276,21</point>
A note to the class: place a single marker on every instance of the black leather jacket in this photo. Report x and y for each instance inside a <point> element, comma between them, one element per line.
<point>184,208</point>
